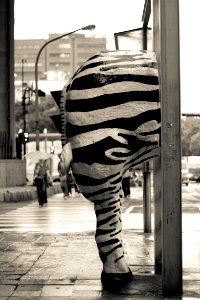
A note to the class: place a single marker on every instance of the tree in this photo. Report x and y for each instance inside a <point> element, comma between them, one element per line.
<point>190,130</point>
<point>195,144</point>
<point>47,108</point>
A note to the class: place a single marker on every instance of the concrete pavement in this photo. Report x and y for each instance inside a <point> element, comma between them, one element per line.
<point>37,265</point>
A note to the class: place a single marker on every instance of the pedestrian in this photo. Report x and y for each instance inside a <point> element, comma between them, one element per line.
<point>126,183</point>
<point>63,183</point>
<point>64,186</point>
<point>70,182</point>
<point>41,179</point>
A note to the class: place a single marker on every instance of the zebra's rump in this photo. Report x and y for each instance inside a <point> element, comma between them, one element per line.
<point>113,113</point>
<point>114,93</point>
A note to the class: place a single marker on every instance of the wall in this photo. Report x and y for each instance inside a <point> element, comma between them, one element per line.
<point>12,172</point>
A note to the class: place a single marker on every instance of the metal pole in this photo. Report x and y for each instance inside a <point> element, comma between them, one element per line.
<point>24,104</point>
<point>24,114</point>
<point>146,172</point>
<point>147,197</point>
<point>89,27</point>
<point>45,139</point>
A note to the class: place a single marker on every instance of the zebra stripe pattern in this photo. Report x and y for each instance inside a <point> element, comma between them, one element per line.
<point>112,123</point>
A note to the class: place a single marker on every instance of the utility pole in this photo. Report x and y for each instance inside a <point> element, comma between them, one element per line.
<point>24,104</point>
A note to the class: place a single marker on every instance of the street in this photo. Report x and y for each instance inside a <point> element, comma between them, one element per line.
<point>76,214</point>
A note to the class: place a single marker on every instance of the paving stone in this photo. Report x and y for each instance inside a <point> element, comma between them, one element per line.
<point>48,282</point>
<point>71,275</point>
<point>89,273</point>
<point>10,276</point>
<point>30,297</point>
<point>9,256</point>
<point>30,280</point>
<point>6,290</point>
<point>85,294</point>
<point>25,294</point>
<point>89,287</point>
<point>57,290</point>
<point>30,287</point>
<point>8,282</point>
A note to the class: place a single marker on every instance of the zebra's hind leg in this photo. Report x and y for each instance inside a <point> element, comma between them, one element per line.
<point>116,271</point>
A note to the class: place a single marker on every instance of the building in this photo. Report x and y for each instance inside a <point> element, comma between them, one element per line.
<point>58,61</point>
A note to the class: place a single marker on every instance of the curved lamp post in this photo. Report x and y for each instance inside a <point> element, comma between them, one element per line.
<point>89,27</point>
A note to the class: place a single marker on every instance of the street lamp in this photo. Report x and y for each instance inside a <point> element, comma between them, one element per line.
<point>89,27</point>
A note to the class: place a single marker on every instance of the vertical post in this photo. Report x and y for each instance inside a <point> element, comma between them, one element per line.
<point>147,197</point>
<point>24,104</point>
<point>37,114</point>
<point>10,69</point>
<point>45,139</point>
<point>171,148</point>
<point>157,216</point>
<point>7,113</point>
<point>51,159</point>
<point>24,115</point>
<point>146,172</point>
<point>157,161</point>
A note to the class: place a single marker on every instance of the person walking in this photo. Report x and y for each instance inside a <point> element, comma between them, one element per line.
<point>64,186</point>
<point>63,183</point>
<point>41,175</point>
<point>126,183</point>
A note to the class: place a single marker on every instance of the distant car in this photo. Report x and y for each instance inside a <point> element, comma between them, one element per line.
<point>139,178</point>
<point>185,173</point>
<point>195,174</point>
<point>136,179</point>
<point>185,178</point>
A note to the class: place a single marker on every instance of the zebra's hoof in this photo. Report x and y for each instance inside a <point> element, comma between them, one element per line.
<point>116,280</point>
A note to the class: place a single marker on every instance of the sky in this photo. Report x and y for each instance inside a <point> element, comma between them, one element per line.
<point>38,18</point>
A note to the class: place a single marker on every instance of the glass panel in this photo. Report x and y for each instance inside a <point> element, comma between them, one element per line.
<point>134,39</point>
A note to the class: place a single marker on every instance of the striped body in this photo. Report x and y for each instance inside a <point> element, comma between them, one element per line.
<point>112,123</point>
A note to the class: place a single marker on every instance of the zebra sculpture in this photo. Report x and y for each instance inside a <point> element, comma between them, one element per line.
<point>112,114</point>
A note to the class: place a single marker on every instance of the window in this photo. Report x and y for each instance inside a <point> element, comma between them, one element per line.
<point>64,46</point>
<point>56,64</point>
<point>89,46</point>
<point>62,55</point>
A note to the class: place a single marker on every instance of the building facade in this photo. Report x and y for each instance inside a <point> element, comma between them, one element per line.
<point>58,61</point>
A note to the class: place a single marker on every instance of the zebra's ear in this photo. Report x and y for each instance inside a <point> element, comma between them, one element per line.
<point>57,118</point>
<point>56,96</point>
<point>57,122</point>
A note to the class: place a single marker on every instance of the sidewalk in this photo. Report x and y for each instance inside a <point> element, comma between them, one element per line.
<point>66,266</point>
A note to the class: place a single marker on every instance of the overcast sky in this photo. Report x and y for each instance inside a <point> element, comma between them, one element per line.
<point>38,18</point>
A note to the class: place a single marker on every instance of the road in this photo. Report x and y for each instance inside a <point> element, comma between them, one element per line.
<point>76,214</point>
<point>191,198</point>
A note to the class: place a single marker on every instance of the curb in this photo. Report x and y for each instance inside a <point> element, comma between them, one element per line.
<point>25,193</point>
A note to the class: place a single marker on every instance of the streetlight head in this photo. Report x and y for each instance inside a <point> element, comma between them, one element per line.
<point>89,27</point>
